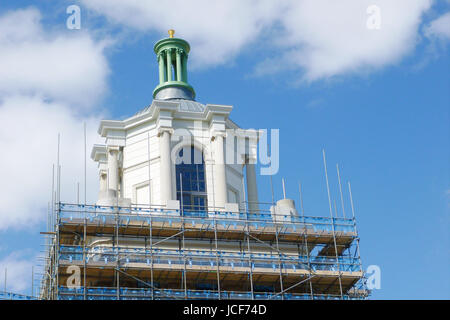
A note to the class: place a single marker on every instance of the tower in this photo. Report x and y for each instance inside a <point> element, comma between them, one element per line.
<point>172,56</point>
<point>178,214</point>
<point>138,163</point>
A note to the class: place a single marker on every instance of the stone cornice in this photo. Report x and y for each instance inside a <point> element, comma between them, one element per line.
<point>212,110</point>
<point>98,151</point>
<point>253,135</point>
<point>171,107</point>
<point>106,125</point>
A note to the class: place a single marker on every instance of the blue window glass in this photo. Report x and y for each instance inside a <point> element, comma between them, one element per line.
<point>190,177</point>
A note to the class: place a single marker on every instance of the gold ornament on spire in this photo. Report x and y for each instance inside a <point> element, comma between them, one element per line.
<point>171,33</point>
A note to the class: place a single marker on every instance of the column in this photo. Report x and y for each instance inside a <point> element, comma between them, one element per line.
<point>165,166</point>
<point>103,181</point>
<point>169,64</point>
<point>252,189</point>
<point>113,168</point>
<point>220,178</point>
<point>184,67</point>
<point>179,72</point>
<point>162,77</point>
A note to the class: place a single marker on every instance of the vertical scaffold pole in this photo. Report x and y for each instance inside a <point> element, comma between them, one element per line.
<point>55,222</point>
<point>151,257</point>
<point>305,239</point>
<point>217,258</point>
<point>32,281</point>
<point>50,214</point>
<point>250,261</point>
<point>183,226</point>
<point>247,226</point>
<point>279,262</point>
<point>340,190</point>
<point>84,227</point>
<point>84,255</point>
<point>85,166</point>
<point>244,193</point>
<point>354,226</point>
<point>215,225</point>
<point>117,244</point>
<point>184,260</point>
<point>332,222</point>
<point>150,224</point>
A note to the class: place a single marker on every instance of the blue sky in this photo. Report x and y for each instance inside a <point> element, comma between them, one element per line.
<point>377,101</point>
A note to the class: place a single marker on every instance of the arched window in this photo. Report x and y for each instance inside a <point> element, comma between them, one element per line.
<point>191,181</point>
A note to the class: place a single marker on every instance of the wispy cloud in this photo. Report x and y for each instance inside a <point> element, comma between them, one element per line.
<point>18,266</point>
<point>439,28</point>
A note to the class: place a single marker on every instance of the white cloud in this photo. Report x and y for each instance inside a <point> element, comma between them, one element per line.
<point>68,66</point>
<point>28,138</point>
<point>440,27</point>
<point>318,38</point>
<point>48,82</point>
<point>328,38</point>
<point>215,29</point>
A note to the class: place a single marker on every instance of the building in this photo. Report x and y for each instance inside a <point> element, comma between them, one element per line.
<point>178,214</point>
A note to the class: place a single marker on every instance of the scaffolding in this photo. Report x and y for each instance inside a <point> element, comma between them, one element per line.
<point>148,252</point>
<point>151,252</point>
<point>6,295</point>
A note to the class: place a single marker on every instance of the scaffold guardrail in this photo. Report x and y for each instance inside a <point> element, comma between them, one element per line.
<point>144,294</point>
<point>106,255</point>
<point>102,214</point>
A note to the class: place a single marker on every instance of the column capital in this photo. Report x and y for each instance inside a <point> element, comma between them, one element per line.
<point>161,130</point>
<point>250,134</point>
<point>112,148</point>
<point>215,134</point>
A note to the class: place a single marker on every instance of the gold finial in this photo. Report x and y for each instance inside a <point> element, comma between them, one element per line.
<point>171,33</point>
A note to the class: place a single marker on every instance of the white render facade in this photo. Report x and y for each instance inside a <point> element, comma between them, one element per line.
<point>136,166</point>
